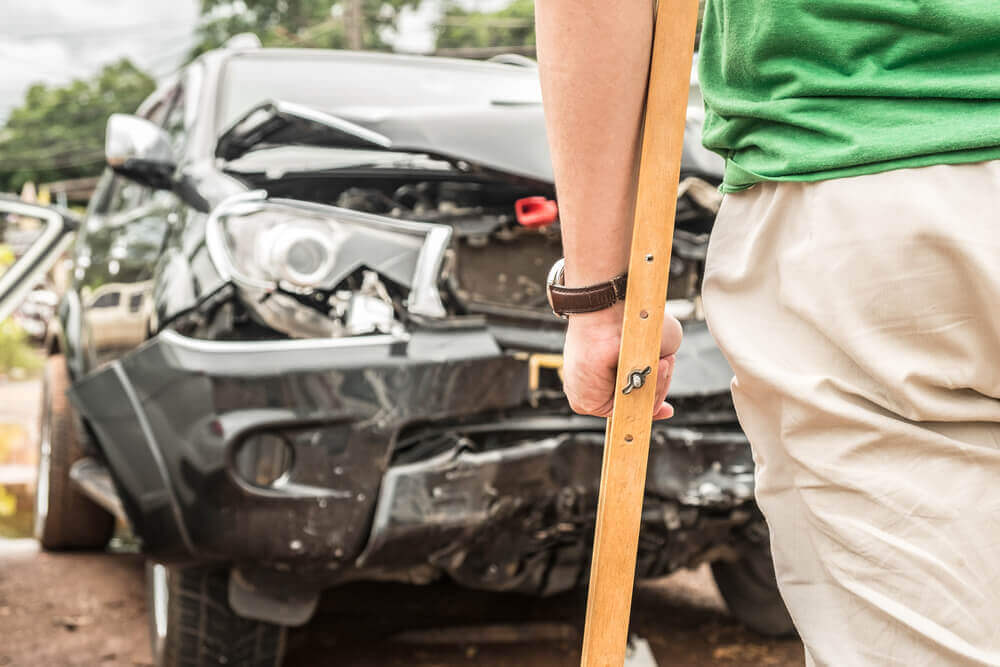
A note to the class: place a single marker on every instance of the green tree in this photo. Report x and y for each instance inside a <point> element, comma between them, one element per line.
<point>298,23</point>
<point>514,25</point>
<point>58,132</point>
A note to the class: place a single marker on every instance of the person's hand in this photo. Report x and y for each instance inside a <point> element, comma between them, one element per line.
<point>590,361</point>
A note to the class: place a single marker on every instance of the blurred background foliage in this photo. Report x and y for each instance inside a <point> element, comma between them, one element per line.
<point>6,254</point>
<point>326,24</point>
<point>18,358</point>
<point>512,26</point>
<point>58,132</point>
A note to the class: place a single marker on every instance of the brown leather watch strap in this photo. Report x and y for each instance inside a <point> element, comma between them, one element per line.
<point>571,300</point>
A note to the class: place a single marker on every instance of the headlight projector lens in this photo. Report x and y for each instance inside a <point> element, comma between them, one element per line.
<point>300,255</point>
<point>306,257</point>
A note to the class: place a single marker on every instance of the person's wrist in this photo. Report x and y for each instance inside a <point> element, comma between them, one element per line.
<point>585,276</point>
<point>606,318</point>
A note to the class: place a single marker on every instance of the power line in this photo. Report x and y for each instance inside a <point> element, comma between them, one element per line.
<point>55,75</point>
<point>29,154</point>
<point>82,161</point>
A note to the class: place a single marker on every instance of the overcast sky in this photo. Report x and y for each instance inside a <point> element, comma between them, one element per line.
<point>56,41</point>
<point>59,40</point>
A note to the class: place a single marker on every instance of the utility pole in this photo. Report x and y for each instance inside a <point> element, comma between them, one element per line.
<point>355,24</point>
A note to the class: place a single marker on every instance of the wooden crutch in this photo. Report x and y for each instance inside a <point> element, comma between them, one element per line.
<point>626,448</point>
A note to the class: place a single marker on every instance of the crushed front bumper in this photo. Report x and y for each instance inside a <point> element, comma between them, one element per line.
<point>521,517</point>
<point>507,502</point>
<point>170,415</point>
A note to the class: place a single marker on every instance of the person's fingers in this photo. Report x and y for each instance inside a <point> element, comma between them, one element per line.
<point>663,411</point>
<point>670,342</point>
<point>589,373</point>
<point>592,403</point>
<point>601,405</point>
<point>670,339</point>
<point>590,369</point>
<point>664,370</point>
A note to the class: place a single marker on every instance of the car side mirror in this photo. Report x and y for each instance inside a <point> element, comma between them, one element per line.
<point>140,150</point>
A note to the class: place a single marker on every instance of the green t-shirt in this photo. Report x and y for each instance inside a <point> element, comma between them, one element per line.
<point>806,90</point>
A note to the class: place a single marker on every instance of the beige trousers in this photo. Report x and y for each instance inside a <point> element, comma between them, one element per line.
<point>862,319</point>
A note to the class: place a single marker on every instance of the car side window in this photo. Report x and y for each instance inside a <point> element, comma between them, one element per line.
<point>116,194</point>
<point>135,303</point>
<point>174,122</point>
<point>107,300</point>
<point>158,111</point>
<point>127,195</point>
<point>182,113</point>
<point>98,202</point>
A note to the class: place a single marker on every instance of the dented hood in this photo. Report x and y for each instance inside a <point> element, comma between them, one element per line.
<point>500,137</point>
<point>508,138</point>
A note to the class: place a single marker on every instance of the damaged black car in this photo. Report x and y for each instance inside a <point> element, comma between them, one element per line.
<point>307,342</point>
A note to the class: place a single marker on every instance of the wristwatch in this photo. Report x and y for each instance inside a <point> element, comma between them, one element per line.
<point>566,301</point>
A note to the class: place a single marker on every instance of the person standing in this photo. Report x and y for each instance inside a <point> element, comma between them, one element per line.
<point>852,281</point>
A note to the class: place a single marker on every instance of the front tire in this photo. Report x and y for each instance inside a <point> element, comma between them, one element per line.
<point>750,589</point>
<point>192,625</point>
<point>64,517</point>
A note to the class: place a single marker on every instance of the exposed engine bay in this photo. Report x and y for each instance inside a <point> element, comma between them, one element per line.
<point>494,266</point>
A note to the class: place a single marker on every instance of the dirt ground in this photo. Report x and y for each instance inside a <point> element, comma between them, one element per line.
<point>87,610</point>
<point>83,610</point>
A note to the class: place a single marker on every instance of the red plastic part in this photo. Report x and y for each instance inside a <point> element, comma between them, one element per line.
<point>536,211</point>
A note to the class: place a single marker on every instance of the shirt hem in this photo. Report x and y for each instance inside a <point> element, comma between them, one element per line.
<point>737,178</point>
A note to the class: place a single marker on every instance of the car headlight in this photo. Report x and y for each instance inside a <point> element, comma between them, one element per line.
<point>269,247</point>
<point>273,247</point>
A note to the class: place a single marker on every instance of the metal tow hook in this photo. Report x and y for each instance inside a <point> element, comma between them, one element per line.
<point>636,379</point>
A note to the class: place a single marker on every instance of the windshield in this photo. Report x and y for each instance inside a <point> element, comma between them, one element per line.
<point>361,83</point>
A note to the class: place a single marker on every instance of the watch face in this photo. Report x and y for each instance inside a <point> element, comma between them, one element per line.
<point>556,272</point>
<point>555,278</point>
